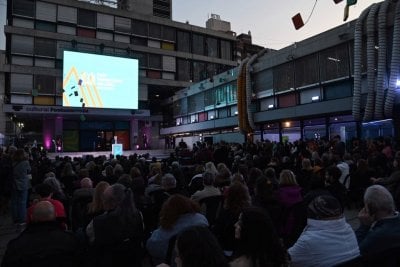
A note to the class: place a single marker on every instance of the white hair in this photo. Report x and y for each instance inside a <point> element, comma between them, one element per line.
<point>378,198</point>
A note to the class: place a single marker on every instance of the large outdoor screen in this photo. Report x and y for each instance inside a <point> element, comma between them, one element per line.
<point>96,81</point>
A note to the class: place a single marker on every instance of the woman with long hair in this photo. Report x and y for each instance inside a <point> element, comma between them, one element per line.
<point>258,242</point>
<point>177,214</point>
<point>116,235</point>
<point>236,200</point>
<point>198,247</point>
<point>96,207</point>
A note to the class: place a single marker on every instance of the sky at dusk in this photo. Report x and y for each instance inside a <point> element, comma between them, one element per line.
<point>269,21</point>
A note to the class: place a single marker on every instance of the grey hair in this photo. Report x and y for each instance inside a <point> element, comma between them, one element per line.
<point>378,198</point>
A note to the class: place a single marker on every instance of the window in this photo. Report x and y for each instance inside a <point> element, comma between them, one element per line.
<point>139,41</point>
<point>22,44</point>
<point>23,23</point>
<point>155,61</point>
<point>226,50</point>
<point>231,93</point>
<point>209,98</point>
<point>46,11</point>
<point>199,71</point>
<point>334,63</point>
<point>139,27</point>
<point>220,94</point>
<point>123,25</point>
<point>67,14</point>
<point>87,18</point>
<point>195,103</point>
<point>23,8</point>
<point>183,69</point>
<point>66,29</point>
<point>198,44</point>
<point>45,47</point>
<point>45,85</point>
<point>212,47</point>
<point>45,26</point>
<point>183,41</point>
<point>306,70</point>
<point>168,33</point>
<point>283,77</point>
<point>169,63</point>
<point>21,83</point>
<point>142,57</point>
<point>264,80</point>
<point>155,30</point>
<point>105,21</point>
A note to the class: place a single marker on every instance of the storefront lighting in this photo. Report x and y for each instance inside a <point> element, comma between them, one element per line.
<point>287,124</point>
<point>271,106</point>
<point>315,98</point>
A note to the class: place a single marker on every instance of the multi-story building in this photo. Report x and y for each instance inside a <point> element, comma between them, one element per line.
<point>335,83</point>
<point>171,56</point>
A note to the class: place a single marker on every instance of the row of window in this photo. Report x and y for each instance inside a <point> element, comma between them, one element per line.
<point>82,22</point>
<point>220,113</point>
<point>23,47</point>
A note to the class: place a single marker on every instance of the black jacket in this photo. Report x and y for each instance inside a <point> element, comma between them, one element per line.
<point>43,244</point>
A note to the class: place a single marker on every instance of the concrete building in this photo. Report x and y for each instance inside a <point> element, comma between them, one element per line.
<point>171,56</point>
<point>317,88</point>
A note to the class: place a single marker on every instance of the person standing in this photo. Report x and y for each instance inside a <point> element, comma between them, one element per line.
<point>20,174</point>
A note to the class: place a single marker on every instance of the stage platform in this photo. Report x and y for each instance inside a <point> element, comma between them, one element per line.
<point>158,153</point>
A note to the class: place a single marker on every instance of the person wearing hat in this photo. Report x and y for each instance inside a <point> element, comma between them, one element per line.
<point>327,240</point>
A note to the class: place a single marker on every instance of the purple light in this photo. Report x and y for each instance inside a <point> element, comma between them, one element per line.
<point>47,142</point>
<point>58,148</point>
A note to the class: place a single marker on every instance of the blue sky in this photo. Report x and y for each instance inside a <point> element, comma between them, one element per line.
<point>268,20</point>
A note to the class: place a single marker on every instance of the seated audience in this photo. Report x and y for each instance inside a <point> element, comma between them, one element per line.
<point>258,242</point>
<point>177,214</point>
<point>327,236</point>
<point>45,193</point>
<point>43,243</point>
<point>209,189</point>
<point>197,247</point>
<point>379,231</point>
<point>236,200</point>
<point>116,236</point>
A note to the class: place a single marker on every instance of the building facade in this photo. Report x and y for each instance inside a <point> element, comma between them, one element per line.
<point>171,56</point>
<point>305,91</point>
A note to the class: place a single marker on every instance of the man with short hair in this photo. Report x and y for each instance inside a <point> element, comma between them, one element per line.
<point>379,231</point>
<point>43,243</point>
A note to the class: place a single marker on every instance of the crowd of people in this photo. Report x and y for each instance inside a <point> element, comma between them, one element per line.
<point>253,204</point>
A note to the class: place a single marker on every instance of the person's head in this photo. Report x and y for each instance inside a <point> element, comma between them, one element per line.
<point>263,188</point>
<point>306,164</point>
<point>257,238</point>
<point>43,211</point>
<point>135,172</point>
<point>54,183</point>
<point>211,167</point>
<point>86,183</point>
<point>198,247</point>
<point>168,181</point>
<point>237,198</point>
<point>19,155</point>
<point>44,190</point>
<point>378,202</point>
<point>115,195</point>
<point>98,197</point>
<point>126,180</point>
<point>237,177</point>
<point>325,207</point>
<point>287,178</point>
<point>208,178</point>
<point>175,206</point>
<point>332,174</point>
